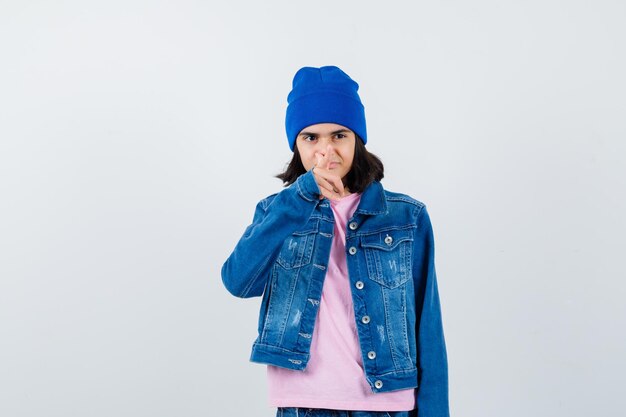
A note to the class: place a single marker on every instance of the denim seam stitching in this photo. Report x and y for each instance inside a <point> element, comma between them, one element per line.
<point>290,305</point>
<point>395,372</point>
<point>292,352</point>
<point>268,315</point>
<point>405,200</point>
<point>254,279</point>
<point>385,229</point>
<point>404,327</point>
<point>390,336</point>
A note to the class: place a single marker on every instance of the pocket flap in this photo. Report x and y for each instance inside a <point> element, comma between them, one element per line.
<point>387,240</point>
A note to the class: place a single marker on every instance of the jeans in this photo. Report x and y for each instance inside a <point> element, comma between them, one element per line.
<point>319,412</point>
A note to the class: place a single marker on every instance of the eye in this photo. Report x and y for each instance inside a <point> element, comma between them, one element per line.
<point>308,138</point>
<point>340,136</point>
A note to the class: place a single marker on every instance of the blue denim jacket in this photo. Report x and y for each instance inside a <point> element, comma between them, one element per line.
<point>283,255</point>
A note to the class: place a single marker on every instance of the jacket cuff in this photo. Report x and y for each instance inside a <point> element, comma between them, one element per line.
<point>307,187</point>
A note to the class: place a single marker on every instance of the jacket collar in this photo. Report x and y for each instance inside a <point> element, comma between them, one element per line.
<point>373,200</point>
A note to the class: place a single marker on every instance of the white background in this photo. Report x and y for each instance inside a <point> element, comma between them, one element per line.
<point>137,136</point>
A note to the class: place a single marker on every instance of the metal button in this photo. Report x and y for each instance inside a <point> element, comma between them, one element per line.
<point>371,354</point>
<point>359,285</point>
<point>353,226</point>
<point>388,240</point>
<point>352,250</point>
<point>365,319</point>
<point>378,384</point>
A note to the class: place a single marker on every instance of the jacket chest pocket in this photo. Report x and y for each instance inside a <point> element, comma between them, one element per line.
<point>388,255</point>
<point>298,247</point>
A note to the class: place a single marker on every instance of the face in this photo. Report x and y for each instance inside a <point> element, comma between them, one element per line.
<point>313,142</point>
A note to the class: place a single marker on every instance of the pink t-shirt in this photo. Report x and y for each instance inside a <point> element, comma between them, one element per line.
<point>334,377</point>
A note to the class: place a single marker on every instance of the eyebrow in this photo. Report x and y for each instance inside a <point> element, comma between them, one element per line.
<point>317,134</point>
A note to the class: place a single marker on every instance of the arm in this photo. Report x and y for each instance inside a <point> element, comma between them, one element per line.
<point>432,391</point>
<point>246,270</point>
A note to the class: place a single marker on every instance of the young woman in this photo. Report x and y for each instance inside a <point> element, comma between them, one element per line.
<point>350,320</point>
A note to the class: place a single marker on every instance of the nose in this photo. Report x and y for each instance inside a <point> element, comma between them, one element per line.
<point>325,145</point>
<point>325,149</point>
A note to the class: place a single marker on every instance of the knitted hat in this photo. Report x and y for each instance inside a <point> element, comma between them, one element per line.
<point>324,95</point>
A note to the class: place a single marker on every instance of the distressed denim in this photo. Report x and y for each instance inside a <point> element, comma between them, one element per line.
<point>319,412</point>
<point>282,256</point>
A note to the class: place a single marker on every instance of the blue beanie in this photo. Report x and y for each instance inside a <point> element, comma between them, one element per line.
<point>324,95</point>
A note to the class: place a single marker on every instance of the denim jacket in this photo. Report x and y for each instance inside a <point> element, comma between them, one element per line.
<point>283,254</point>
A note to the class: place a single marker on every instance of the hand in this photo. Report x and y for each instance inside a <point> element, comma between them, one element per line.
<point>329,183</point>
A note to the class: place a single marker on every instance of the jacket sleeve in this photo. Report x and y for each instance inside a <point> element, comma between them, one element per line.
<point>432,391</point>
<point>246,270</point>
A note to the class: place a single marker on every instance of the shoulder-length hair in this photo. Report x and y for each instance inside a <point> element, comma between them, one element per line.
<point>366,168</point>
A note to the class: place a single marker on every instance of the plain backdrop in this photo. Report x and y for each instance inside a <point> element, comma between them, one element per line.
<point>137,136</point>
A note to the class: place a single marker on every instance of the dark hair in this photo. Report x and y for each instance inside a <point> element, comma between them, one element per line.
<point>366,168</point>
